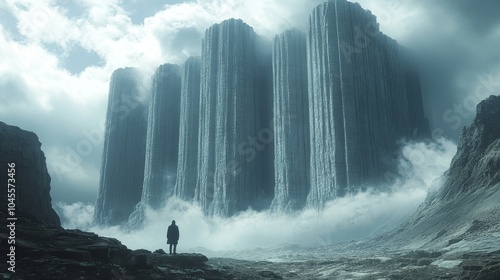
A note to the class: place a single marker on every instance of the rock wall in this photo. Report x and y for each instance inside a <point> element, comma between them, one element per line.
<point>32,180</point>
<point>122,169</point>
<point>162,144</point>
<point>358,101</point>
<point>187,171</point>
<point>291,121</point>
<point>238,131</point>
<point>228,177</point>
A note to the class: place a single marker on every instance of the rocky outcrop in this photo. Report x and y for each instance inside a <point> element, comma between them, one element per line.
<point>230,120</point>
<point>462,207</point>
<point>359,106</point>
<point>122,169</point>
<point>291,121</point>
<point>188,133</point>
<point>46,252</point>
<point>477,162</point>
<point>30,180</point>
<point>162,144</point>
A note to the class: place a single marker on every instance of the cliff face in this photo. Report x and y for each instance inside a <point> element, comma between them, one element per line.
<point>293,124</point>
<point>162,144</point>
<point>464,208</point>
<point>188,133</point>
<point>358,101</point>
<point>230,117</point>
<point>122,169</point>
<point>32,180</point>
<point>477,162</point>
<point>291,121</point>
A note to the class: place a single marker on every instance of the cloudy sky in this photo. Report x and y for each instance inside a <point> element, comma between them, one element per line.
<point>56,58</point>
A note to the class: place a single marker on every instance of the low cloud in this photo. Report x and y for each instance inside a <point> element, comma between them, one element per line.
<point>345,219</point>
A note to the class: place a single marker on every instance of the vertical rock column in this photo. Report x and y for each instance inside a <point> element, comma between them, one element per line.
<point>328,173</point>
<point>162,144</point>
<point>291,121</point>
<point>358,101</point>
<point>228,177</point>
<point>122,169</point>
<point>188,133</point>
<point>206,134</point>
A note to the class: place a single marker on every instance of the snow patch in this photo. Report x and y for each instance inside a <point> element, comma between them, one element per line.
<point>446,264</point>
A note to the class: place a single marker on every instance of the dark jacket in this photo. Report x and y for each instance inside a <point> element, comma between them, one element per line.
<point>172,234</point>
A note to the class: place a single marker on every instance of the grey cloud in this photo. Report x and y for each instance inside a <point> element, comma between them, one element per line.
<point>12,91</point>
<point>180,43</point>
<point>139,10</point>
<point>479,16</point>
<point>452,58</point>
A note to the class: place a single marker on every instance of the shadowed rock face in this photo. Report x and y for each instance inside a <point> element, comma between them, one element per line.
<point>122,169</point>
<point>188,131</point>
<point>362,101</point>
<point>291,121</point>
<point>162,144</point>
<point>477,162</point>
<point>32,180</point>
<point>232,117</point>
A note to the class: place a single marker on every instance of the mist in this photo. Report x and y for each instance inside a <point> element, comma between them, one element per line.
<point>345,219</point>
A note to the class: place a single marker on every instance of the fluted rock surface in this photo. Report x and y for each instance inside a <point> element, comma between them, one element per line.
<point>31,180</point>
<point>291,121</point>
<point>230,107</point>
<point>162,144</point>
<point>358,101</point>
<point>188,133</point>
<point>122,169</point>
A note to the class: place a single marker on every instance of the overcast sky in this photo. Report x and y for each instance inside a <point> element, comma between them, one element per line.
<point>56,58</point>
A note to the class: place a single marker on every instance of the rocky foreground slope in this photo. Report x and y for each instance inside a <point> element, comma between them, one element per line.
<point>463,211</point>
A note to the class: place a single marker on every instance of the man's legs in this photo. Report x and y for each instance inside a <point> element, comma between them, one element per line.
<point>175,248</point>
<point>171,249</point>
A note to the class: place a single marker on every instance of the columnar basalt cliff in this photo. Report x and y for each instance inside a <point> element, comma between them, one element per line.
<point>228,177</point>
<point>122,170</point>
<point>291,121</point>
<point>30,178</point>
<point>162,144</point>
<point>296,123</point>
<point>188,133</point>
<point>358,101</point>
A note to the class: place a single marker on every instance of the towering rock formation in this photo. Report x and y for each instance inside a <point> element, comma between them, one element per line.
<point>228,177</point>
<point>291,121</point>
<point>122,169</point>
<point>358,100</point>
<point>162,144</point>
<point>188,133</point>
<point>30,179</point>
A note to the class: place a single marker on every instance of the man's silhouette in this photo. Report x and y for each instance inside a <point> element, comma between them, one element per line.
<point>173,236</point>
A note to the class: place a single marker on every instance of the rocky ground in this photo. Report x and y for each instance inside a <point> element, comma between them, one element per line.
<point>410,265</point>
<point>47,252</point>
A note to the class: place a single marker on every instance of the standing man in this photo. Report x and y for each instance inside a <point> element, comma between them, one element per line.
<point>173,236</point>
